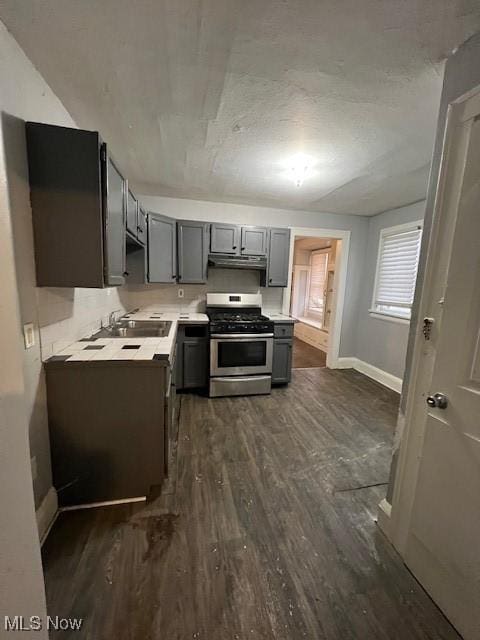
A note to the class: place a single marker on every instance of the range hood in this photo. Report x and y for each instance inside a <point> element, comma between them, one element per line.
<point>237,262</point>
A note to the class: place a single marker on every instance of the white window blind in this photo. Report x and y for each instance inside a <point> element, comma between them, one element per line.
<point>397,267</point>
<point>318,279</point>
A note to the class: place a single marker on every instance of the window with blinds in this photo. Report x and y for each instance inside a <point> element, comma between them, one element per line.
<point>318,283</point>
<point>397,267</point>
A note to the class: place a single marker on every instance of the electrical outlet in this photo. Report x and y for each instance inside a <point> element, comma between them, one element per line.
<point>181,293</point>
<point>33,463</point>
<point>29,335</point>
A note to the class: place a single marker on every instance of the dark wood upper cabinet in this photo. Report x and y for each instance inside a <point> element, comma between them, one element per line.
<point>162,249</point>
<point>78,199</point>
<point>225,238</point>
<point>192,240</point>
<point>278,257</point>
<point>254,241</point>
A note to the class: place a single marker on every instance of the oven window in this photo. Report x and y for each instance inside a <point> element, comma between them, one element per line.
<point>242,354</point>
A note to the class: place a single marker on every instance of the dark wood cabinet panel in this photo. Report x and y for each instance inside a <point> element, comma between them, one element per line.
<point>78,203</point>
<point>106,423</point>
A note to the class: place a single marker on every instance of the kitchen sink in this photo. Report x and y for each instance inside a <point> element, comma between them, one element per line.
<point>135,329</point>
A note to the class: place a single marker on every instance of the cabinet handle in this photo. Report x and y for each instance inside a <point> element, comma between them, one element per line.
<point>270,279</point>
<point>234,247</point>
<point>243,248</point>
<point>173,277</point>
<point>126,273</point>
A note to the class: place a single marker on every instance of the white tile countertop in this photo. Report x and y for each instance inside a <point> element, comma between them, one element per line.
<point>131,349</point>
<point>279,317</point>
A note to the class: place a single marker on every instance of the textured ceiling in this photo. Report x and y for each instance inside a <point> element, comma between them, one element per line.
<point>210,98</point>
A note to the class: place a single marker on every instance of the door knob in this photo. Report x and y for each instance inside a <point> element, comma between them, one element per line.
<point>438,401</point>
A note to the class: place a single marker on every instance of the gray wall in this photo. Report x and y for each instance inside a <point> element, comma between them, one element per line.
<point>462,74</point>
<point>382,342</point>
<point>244,214</point>
<point>58,315</point>
<point>21,579</point>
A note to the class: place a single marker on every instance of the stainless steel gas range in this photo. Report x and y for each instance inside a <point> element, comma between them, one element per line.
<point>241,345</point>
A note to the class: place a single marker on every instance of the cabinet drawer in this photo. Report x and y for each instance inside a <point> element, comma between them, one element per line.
<point>284,330</point>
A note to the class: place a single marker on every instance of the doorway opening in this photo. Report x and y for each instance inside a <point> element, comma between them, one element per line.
<point>311,299</point>
<point>316,293</point>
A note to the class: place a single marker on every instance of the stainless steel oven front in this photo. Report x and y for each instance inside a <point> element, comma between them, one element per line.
<point>241,354</point>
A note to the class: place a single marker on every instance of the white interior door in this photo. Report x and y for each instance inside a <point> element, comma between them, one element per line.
<point>443,543</point>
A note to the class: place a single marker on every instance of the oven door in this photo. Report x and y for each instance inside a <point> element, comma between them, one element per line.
<point>240,355</point>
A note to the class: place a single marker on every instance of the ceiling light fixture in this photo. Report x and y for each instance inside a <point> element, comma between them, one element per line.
<point>300,167</point>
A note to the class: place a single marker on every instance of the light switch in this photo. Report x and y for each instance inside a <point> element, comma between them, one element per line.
<point>29,335</point>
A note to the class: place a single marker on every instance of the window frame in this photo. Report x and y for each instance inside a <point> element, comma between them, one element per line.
<point>391,316</point>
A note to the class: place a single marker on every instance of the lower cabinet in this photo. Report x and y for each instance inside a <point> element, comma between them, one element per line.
<point>192,356</point>
<point>282,360</point>
<point>107,429</point>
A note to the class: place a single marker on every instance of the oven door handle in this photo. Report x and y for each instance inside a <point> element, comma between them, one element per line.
<point>228,336</point>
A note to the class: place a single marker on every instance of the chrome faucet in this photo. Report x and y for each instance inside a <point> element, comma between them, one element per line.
<point>111,317</point>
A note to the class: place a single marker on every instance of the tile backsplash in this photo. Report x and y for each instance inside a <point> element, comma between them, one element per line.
<point>66,315</point>
<point>219,280</point>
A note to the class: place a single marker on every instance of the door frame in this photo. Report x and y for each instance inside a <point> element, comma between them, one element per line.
<point>424,353</point>
<point>340,284</point>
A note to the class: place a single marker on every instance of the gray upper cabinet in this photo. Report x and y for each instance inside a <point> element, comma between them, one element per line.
<point>78,200</point>
<point>132,210</point>
<point>115,226</point>
<point>162,249</point>
<point>225,238</point>
<point>192,251</point>
<point>278,257</point>
<point>254,241</point>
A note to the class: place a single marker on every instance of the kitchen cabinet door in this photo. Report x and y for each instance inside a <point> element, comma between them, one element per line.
<point>282,360</point>
<point>254,241</point>
<point>195,363</point>
<point>162,249</point>
<point>278,257</point>
<point>115,250</point>
<point>132,210</point>
<point>142,225</point>
<point>225,238</point>
<point>192,240</point>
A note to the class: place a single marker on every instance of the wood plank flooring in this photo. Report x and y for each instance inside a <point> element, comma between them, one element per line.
<point>306,357</point>
<point>260,533</point>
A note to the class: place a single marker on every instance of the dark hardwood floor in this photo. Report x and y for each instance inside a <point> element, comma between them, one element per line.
<point>261,532</point>
<point>306,357</point>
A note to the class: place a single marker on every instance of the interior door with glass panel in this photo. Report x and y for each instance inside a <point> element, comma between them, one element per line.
<point>443,543</point>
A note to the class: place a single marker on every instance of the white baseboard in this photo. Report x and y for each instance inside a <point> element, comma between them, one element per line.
<point>384,517</point>
<point>383,377</point>
<point>46,514</point>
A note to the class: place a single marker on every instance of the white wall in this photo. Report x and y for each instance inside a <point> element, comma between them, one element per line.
<point>59,315</point>
<point>245,214</point>
<point>382,342</point>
